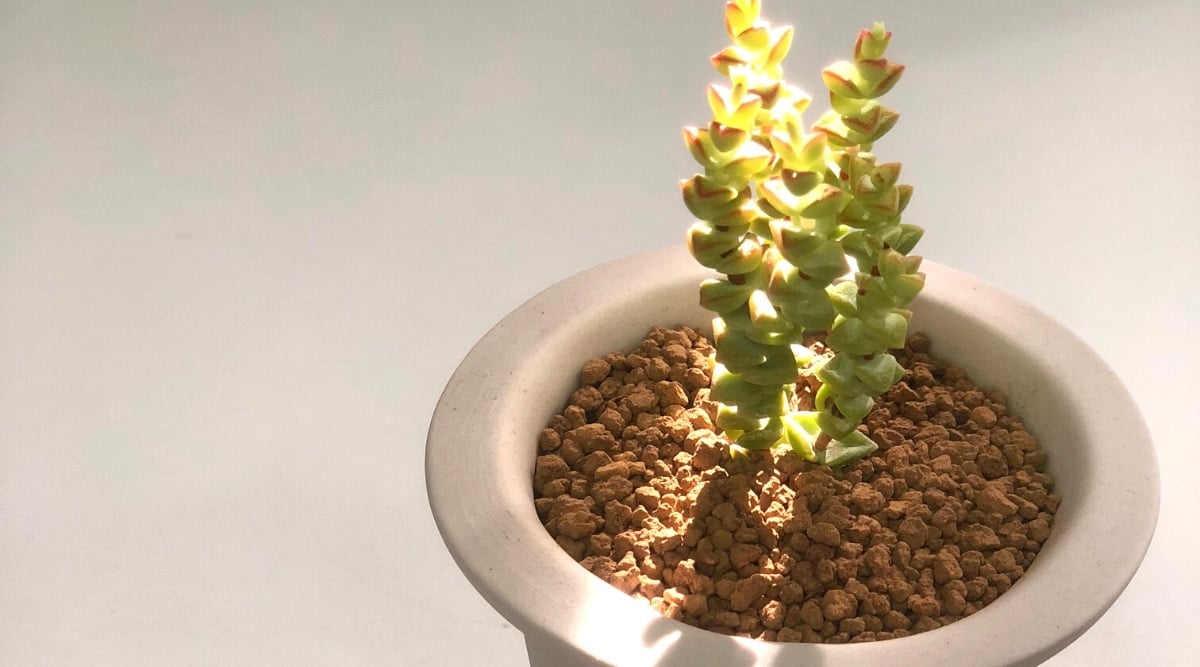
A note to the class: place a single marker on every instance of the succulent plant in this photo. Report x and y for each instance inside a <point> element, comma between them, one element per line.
<point>779,209</point>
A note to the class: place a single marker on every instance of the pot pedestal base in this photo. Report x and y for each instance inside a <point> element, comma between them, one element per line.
<point>546,651</point>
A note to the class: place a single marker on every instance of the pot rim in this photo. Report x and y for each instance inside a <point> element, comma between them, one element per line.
<point>484,512</point>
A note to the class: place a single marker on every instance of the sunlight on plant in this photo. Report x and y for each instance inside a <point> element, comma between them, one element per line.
<point>779,209</point>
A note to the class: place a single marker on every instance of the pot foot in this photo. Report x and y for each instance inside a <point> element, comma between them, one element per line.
<point>546,651</point>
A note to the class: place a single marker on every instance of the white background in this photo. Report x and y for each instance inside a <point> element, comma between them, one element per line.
<point>244,245</point>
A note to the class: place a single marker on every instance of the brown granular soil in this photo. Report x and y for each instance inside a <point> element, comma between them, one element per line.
<point>634,482</point>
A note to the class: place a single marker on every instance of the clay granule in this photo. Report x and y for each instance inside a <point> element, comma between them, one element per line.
<point>634,481</point>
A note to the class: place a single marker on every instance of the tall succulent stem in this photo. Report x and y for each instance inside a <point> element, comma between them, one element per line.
<point>779,208</point>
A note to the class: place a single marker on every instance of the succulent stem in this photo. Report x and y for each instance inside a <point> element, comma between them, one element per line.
<point>779,208</point>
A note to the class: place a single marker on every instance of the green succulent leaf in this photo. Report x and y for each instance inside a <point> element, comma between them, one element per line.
<point>836,132</point>
<point>823,200</point>
<point>801,431</point>
<point>739,16</point>
<point>855,215</point>
<point>779,44</point>
<point>834,427</point>
<point>872,43</point>
<point>706,198</point>
<point>884,203</point>
<point>878,76</point>
<point>793,241</point>
<point>843,79</point>
<point>879,373</point>
<point>840,375</point>
<point>778,369</point>
<point>813,315</point>
<point>906,287</point>
<point>738,220</point>
<point>874,299</point>
<point>730,387</point>
<point>764,437</point>
<point>846,106</point>
<point>802,355</point>
<point>739,320</point>
<point>729,419</point>
<point>765,317</point>
<point>749,160</point>
<point>721,296</point>
<point>852,335</point>
<point>744,259</point>
<point>800,182</point>
<point>825,263</point>
<point>753,39</point>
<point>886,175</point>
<point>802,301</point>
<point>726,139</point>
<point>896,328</point>
<point>847,449</point>
<point>844,298</point>
<point>708,244</point>
<point>906,192</point>
<point>730,57</point>
<point>890,263</point>
<point>909,236</point>
<point>853,407</point>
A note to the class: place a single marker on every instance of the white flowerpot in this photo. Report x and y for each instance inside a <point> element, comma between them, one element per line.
<point>483,440</point>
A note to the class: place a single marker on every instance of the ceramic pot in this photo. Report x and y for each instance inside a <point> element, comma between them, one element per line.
<point>483,440</point>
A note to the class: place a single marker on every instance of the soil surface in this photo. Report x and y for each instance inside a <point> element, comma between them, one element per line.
<point>634,481</point>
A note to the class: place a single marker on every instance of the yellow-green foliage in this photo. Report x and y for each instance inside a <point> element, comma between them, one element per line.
<point>778,210</point>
